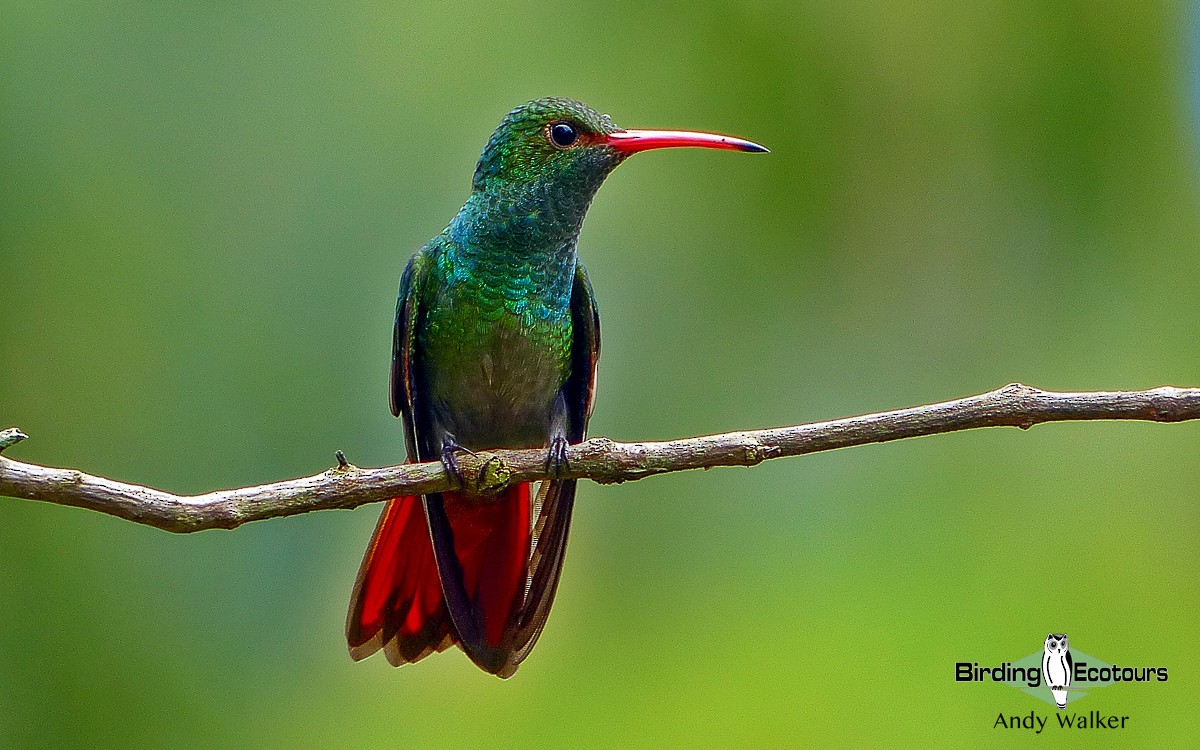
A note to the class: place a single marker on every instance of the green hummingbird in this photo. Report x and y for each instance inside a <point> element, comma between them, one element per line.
<point>495,345</point>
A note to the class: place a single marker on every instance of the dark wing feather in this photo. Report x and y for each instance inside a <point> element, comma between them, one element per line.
<point>580,388</point>
<point>556,499</point>
<point>403,389</point>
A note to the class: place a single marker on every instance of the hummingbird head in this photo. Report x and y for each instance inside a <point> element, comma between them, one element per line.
<point>546,160</point>
<point>551,142</point>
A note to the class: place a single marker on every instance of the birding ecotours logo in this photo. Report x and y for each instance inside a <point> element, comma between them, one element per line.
<point>1060,675</point>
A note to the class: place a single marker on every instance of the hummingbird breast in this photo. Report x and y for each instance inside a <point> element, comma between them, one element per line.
<point>495,345</point>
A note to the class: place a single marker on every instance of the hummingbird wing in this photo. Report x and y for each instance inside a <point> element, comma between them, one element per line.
<point>402,389</point>
<point>556,499</point>
<point>580,388</point>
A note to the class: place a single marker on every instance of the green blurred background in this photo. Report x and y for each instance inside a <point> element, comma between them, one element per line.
<point>204,210</point>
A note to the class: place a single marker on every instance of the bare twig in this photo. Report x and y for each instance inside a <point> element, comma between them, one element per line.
<point>599,459</point>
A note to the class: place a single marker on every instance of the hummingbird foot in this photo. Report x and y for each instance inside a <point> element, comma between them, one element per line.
<point>556,456</point>
<point>450,461</point>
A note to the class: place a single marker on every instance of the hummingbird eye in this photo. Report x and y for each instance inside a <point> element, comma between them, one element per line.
<point>563,134</point>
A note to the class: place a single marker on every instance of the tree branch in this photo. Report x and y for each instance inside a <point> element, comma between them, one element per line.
<point>599,459</point>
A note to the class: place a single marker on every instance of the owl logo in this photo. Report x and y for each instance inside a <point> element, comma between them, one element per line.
<point>1057,667</point>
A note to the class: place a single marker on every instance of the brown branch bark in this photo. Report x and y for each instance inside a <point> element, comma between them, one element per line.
<point>598,459</point>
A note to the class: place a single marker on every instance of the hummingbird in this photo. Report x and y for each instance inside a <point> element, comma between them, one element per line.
<point>495,345</point>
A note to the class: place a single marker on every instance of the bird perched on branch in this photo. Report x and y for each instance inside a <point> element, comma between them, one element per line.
<point>495,346</point>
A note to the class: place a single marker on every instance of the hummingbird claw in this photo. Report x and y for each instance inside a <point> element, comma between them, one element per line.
<point>556,456</point>
<point>449,448</point>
